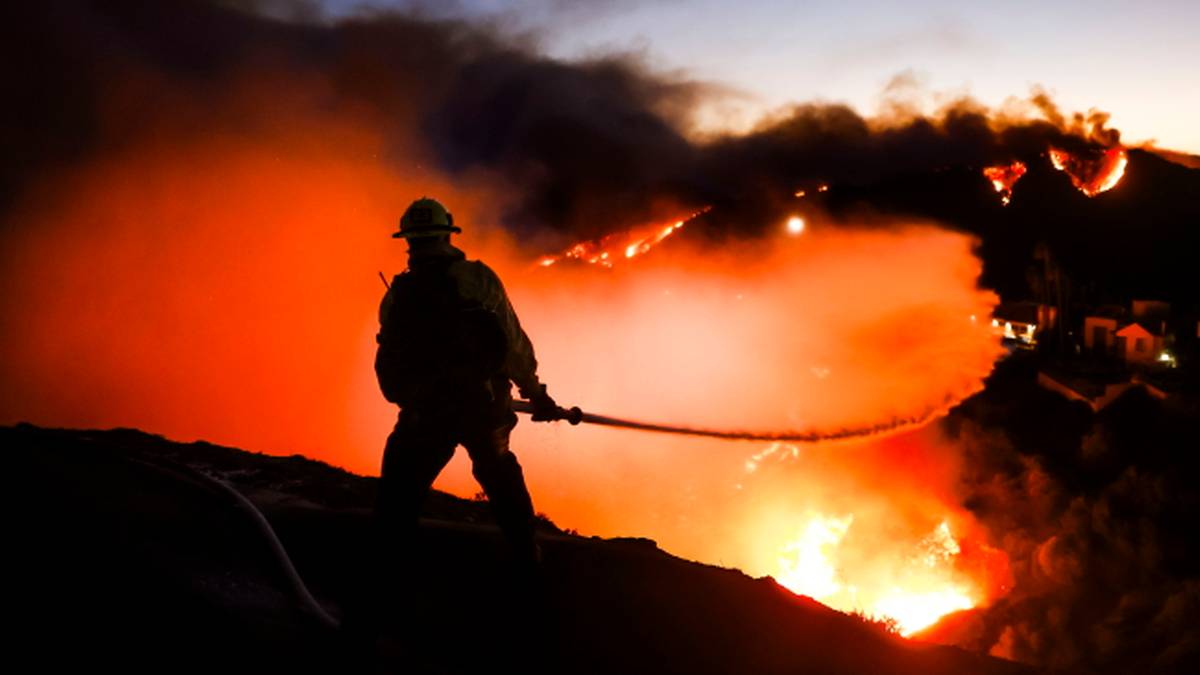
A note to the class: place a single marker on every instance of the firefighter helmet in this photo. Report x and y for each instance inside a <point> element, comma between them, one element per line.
<point>425,218</point>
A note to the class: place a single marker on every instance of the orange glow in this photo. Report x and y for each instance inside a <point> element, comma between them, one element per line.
<point>1092,176</point>
<point>226,288</point>
<point>795,225</point>
<point>1004,177</point>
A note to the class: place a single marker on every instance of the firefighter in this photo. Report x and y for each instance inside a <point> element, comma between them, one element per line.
<point>449,346</point>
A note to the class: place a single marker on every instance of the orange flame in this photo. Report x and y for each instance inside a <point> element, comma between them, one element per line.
<point>1004,177</point>
<point>1092,176</point>
<point>922,588</point>
<point>604,252</point>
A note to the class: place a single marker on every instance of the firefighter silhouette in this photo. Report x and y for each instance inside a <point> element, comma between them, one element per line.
<point>449,345</point>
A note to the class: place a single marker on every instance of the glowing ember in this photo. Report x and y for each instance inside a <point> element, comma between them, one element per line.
<point>1092,176</point>
<point>914,590</point>
<point>605,251</point>
<point>800,193</point>
<point>1004,177</point>
<point>795,225</point>
<point>822,188</point>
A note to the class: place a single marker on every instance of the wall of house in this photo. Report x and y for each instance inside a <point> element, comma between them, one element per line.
<point>1090,324</point>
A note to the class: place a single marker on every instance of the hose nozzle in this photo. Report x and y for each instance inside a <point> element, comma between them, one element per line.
<point>573,415</point>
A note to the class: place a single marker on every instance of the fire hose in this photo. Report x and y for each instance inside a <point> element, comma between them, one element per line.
<point>574,415</point>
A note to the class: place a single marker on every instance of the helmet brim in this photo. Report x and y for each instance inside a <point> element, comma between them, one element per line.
<point>431,231</point>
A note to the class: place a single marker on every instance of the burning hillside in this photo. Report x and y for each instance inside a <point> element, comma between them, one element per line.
<point>1092,176</point>
<point>1089,176</point>
<point>1004,177</point>
<point>201,260</point>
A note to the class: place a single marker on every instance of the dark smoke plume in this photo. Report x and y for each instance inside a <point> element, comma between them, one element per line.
<point>586,146</point>
<point>1096,512</point>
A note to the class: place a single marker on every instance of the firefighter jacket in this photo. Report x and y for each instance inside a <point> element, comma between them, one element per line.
<point>478,283</point>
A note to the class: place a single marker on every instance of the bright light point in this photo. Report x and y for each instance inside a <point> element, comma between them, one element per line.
<point>795,225</point>
<point>631,250</point>
<point>822,188</point>
<point>800,193</point>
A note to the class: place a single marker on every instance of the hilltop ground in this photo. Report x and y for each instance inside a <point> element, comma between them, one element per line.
<point>125,565</point>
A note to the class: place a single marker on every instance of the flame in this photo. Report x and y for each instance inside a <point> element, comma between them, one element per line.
<point>922,588</point>
<point>1004,177</point>
<point>607,250</point>
<point>800,192</point>
<point>1092,176</point>
<point>914,612</point>
<point>806,566</point>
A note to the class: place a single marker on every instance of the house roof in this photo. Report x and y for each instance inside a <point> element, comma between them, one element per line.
<point>1135,330</point>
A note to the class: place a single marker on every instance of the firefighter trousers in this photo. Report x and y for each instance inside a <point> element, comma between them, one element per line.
<point>419,448</point>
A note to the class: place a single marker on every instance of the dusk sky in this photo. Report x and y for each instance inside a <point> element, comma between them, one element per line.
<point>1135,60</point>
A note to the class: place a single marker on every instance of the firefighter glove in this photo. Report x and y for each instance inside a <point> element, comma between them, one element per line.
<point>544,407</point>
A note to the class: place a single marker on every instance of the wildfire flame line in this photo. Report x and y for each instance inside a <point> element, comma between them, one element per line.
<point>1004,177</point>
<point>1089,176</point>
<point>606,251</point>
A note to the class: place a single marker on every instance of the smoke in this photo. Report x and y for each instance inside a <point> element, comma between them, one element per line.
<point>1095,515</point>
<point>583,147</point>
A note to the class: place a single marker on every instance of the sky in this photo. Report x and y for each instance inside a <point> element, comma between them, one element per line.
<point>1134,60</point>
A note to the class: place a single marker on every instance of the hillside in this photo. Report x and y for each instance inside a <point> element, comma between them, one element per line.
<point>126,565</point>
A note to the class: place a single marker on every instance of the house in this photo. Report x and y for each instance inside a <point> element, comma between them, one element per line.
<point>1022,322</point>
<point>1150,310</point>
<point>1137,344</point>
<point>1100,330</point>
<point>1137,337</point>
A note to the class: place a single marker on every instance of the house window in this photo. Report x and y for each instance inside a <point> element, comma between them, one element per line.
<point>1139,345</point>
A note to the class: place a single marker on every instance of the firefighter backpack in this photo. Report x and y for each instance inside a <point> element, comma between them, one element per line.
<point>434,345</point>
